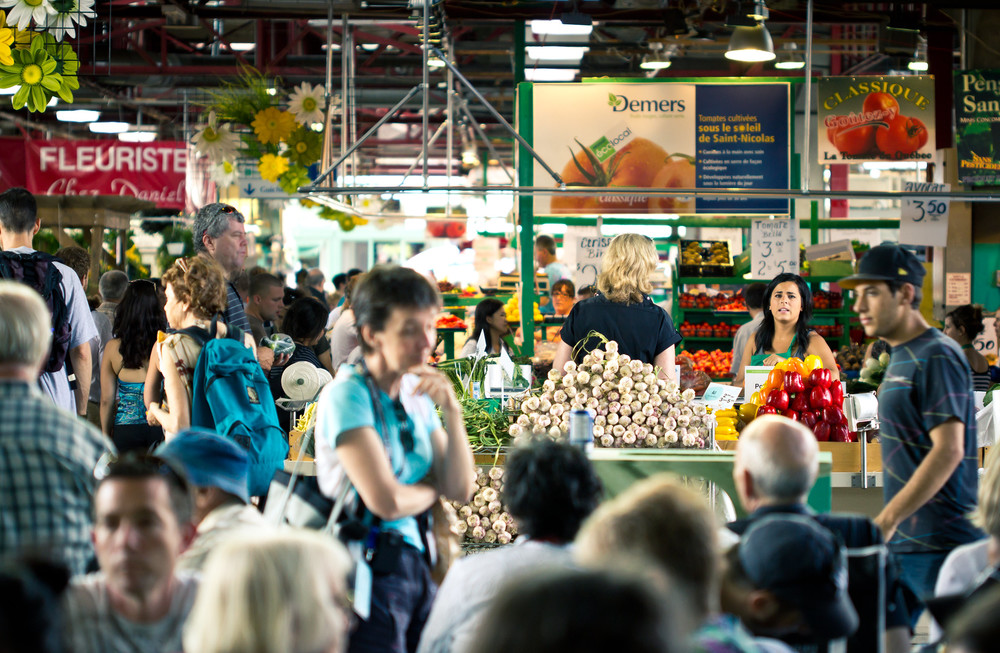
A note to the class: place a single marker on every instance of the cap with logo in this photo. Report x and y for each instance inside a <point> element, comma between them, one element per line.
<point>805,566</point>
<point>887,263</point>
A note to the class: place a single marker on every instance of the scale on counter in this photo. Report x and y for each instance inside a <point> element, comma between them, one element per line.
<point>862,416</point>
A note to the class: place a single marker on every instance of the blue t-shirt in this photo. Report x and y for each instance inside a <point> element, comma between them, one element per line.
<point>348,405</point>
<point>927,382</point>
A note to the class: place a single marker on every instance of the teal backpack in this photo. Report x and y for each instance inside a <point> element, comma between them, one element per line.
<point>232,397</point>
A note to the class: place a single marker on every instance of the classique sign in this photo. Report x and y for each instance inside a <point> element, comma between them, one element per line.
<point>149,171</point>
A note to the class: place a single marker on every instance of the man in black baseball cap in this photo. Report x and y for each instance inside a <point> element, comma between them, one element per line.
<point>787,579</point>
<point>927,421</point>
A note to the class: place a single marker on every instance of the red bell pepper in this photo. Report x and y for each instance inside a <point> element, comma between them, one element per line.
<point>794,382</point>
<point>822,432</point>
<point>821,377</point>
<point>809,418</point>
<point>767,410</point>
<point>819,397</point>
<point>800,402</point>
<point>834,416</point>
<point>839,433</point>
<point>792,415</point>
<point>837,394</point>
<point>778,399</point>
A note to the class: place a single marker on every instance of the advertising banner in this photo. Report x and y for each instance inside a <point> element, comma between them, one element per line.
<point>977,126</point>
<point>149,171</point>
<point>661,135</point>
<point>875,119</point>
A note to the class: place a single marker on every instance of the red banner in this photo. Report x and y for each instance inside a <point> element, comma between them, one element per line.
<point>150,171</point>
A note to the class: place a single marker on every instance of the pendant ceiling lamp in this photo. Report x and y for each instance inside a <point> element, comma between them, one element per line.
<point>751,44</point>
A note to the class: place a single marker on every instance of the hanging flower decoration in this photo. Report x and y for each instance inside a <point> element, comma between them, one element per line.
<point>272,166</point>
<point>305,146</point>
<point>22,12</point>
<point>273,125</point>
<point>67,65</point>
<point>223,174</point>
<point>216,141</point>
<point>35,71</point>
<point>67,14</point>
<point>6,41</point>
<point>306,103</point>
<point>293,179</point>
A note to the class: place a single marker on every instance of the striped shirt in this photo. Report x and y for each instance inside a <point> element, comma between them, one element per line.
<point>235,315</point>
<point>47,460</point>
<point>928,381</point>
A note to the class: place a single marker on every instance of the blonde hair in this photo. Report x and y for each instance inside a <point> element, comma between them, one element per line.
<point>274,592</point>
<point>987,513</point>
<point>25,325</point>
<point>660,520</point>
<point>628,264</point>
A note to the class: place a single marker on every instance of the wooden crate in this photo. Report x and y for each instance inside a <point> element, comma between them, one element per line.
<point>846,455</point>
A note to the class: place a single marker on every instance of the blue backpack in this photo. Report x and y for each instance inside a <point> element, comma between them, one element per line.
<point>232,397</point>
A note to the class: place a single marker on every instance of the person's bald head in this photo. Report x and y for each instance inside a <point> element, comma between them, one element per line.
<point>777,461</point>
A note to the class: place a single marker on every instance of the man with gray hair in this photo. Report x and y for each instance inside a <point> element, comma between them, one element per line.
<point>47,456</point>
<point>315,281</point>
<point>776,464</point>
<point>70,321</point>
<point>219,234</point>
<point>112,288</point>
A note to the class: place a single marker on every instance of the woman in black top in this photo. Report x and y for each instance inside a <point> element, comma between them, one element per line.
<point>304,322</point>
<point>622,310</point>
<point>963,325</point>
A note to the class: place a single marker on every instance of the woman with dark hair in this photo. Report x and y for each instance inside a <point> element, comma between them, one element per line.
<point>785,330</point>
<point>304,322</point>
<point>377,428</point>
<point>124,367</point>
<point>963,325</point>
<point>550,488</point>
<point>491,319</point>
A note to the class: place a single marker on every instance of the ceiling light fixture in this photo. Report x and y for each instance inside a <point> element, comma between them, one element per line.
<point>557,52</point>
<point>751,44</point>
<point>137,137</point>
<point>77,115</point>
<point>550,74</point>
<point>758,10</point>
<point>559,28</point>
<point>919,62</point>
<point>110,127</point>
<point>657,58</point>
<point>789,58</point>
<point>435,62</point>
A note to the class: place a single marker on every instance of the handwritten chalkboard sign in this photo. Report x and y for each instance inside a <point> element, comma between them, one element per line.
<point>924,221</point>
<point>775,248</point>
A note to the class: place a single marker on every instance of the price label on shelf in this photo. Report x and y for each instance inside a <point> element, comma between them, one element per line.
<point>924,220</point>
<point>774,248</point>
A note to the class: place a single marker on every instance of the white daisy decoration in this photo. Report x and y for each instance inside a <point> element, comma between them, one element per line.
<point>22,12</point>
<point>68,14</point>
<point>217,142</point>
<point>223,174</point>
<point>306,103</point>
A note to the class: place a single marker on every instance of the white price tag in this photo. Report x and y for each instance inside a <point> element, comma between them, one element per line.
<point>924,221</point>
<point>721,396</point>
<point>986,342</point>
<point>775,248</point>
<point>753,378</point>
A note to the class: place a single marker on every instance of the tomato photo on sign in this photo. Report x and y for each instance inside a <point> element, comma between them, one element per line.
<point>903,136</point>
<point>881,102</point>
<point>854,139</point>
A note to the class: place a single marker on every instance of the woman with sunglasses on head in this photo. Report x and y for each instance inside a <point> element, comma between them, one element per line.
<point>377,425</point>
<point>125,365</point>
<point>622,310</point>
<point>196,291</point>
<point>491,322</point>
<point>785,331</point>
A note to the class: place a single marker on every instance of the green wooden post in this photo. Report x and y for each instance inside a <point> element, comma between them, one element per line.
<point>525,177</point>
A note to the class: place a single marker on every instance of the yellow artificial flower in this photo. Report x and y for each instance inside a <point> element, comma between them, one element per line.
<point>6,41</point>
<point>273,125</point>
<point>272,166</point>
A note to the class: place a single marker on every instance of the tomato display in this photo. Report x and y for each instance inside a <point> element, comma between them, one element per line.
<point>716,363</point>
<point>450,322</point>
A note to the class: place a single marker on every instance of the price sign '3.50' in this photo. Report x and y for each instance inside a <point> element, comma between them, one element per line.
<point>774,248</point>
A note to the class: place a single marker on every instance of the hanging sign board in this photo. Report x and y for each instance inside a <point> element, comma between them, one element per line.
<point>584,248</point>
<point>924,221</point>
<point>774,248</point>
<point>660,135</point>
<point>986,342</point>
<point>876,119</point>
<point>977,126</point>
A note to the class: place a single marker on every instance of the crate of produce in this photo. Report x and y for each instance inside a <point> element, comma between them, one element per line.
<point>705,258</point>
